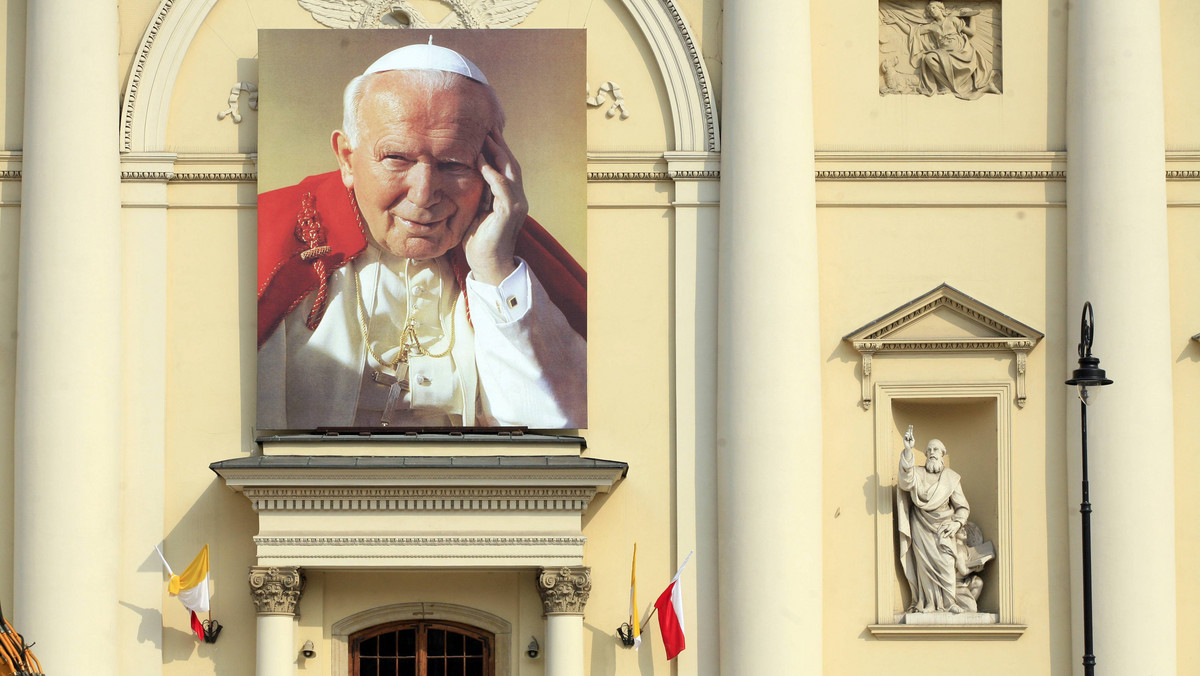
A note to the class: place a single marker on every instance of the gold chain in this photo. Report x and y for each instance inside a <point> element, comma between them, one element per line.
<point>409,329</point>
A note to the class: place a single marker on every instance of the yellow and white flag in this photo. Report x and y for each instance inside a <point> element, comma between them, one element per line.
<point>192,587</point>
<point>634,621</point>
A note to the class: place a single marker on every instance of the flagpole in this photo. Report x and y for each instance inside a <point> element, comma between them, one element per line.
<point>164,560</point>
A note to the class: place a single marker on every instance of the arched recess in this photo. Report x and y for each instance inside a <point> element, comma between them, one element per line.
<point>451,612</point>
<point>161,52</point>
<point>147,100</point>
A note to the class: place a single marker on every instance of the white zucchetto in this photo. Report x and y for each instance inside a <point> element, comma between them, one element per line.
<point>427,57</point>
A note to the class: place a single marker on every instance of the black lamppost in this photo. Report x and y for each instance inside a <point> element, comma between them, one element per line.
<point>1089,374</point>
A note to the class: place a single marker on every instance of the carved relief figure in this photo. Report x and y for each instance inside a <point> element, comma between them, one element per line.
<point>941,553</point>
<point>944,52</point>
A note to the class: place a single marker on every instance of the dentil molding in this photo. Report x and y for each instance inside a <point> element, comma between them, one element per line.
<point>419,499</point>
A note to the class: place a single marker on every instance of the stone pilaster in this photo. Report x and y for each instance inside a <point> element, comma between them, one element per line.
<point>564,593</point>
<point>276,592</point>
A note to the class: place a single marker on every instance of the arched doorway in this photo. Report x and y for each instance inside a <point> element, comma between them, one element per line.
<point>422,648</point>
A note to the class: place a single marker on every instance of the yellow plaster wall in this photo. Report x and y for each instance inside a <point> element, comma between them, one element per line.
<point>1181,53</point>
<point>209,413</point>
<point>872,261</point>
<point>12,64</point>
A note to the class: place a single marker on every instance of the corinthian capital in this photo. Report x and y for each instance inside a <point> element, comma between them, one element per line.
<point>564,590</point>
<point>276,590</point>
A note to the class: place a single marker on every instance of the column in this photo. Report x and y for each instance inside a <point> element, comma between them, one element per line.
<point>1117,259</point>
<point>768,370</point>
<point>276,592</point>
<point>68,408</point>
<point>564,593</point>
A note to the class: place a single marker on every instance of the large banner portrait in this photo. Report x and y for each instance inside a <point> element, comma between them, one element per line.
<point>422,229</point>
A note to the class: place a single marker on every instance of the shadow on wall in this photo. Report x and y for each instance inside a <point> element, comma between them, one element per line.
<point>225,521</point>
<point>607,650</point>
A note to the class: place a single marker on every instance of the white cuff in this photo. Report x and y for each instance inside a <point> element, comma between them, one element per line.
<point>507,302</point>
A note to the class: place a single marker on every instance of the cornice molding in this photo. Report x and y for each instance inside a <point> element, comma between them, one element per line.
<point>419,541</point>
<point>978,632</point>
<point>940,175</point>
<point>398,511</point>
<point>628,176</point>
<point>215,177</point>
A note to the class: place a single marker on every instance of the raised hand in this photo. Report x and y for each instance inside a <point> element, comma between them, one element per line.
<point>491,241</point>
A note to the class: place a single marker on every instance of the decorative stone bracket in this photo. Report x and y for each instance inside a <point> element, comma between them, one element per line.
<point>993,331</point>
<point>564,590</point>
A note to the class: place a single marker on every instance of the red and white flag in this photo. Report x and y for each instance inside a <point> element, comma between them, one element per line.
<point>670,614</point>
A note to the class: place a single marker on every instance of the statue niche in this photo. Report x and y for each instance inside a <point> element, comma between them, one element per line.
<point>941,553</point>
<point>931,48</point>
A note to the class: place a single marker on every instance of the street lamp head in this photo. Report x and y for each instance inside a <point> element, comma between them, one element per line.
<point>1089,373</point>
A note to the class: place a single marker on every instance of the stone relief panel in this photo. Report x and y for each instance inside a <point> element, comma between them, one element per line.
<point>402,14</point>
<point>935,48</point>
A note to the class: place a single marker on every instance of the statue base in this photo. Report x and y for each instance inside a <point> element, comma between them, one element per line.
<point>951,618</point>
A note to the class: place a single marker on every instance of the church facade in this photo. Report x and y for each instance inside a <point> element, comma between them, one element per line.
<point>811,228</point>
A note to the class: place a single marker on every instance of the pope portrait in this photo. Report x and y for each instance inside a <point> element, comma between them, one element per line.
<point>410,287</point>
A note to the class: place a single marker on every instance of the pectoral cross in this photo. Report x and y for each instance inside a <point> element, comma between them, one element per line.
<point>397,382</point>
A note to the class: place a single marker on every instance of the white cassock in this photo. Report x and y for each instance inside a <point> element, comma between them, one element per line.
<point>516,362</point>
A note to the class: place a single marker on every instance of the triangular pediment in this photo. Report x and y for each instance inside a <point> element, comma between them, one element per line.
<point>944,319</point>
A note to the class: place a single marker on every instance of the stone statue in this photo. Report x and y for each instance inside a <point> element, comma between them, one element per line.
<point>941,553</point>
<point>944,53</point>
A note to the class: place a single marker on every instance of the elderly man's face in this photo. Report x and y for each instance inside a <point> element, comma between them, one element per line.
<point>414,169</point>
<point>934,453</point>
